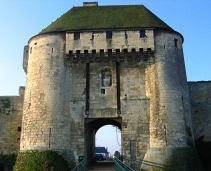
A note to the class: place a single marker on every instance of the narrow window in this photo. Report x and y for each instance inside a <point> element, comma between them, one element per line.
<point>52,50</point>
<point>19,129</point>
<point>109,35</point>
<point>176,43</point>
<point>77,36</point>
<point>102,91</point>
<point>31,50</point>
<point>142,34</point>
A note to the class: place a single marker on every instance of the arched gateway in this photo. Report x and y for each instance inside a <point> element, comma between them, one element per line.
<point>120,65</point>
<point>91,127</point>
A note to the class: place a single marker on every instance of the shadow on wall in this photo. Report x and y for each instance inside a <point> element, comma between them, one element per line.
<point>204,152</point>
<point>7,161</point>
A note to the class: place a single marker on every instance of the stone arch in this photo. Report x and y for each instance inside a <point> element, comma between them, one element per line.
<point>92,125</point>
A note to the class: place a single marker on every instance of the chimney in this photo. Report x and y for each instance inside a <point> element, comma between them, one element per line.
<point>90,4</point>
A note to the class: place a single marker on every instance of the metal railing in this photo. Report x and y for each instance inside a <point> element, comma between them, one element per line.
<point>120,166</point>
<point>82,166</point>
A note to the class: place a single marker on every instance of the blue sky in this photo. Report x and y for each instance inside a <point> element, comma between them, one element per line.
<point>22,19</point>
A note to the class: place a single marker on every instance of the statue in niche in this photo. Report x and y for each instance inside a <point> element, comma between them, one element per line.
<point>105,77</point>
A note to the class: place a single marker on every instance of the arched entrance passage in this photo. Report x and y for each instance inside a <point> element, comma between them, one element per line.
<point>92,125</point>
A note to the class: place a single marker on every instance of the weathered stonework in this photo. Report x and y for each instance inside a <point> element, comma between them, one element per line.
<point>11,112</point>
<point>96,40</point>
<point>133,78</point>
<point>200,100</point>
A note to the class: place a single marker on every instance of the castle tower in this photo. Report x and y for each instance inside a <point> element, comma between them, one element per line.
<point>99,65</point>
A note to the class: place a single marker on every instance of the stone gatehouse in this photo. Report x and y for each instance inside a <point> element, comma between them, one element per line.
<point>100,65</point>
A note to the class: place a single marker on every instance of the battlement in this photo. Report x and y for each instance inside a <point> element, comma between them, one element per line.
<point>109,55</point>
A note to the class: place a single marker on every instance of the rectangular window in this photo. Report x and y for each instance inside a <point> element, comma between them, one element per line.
<point>142,34</point>
<point>102,91</point>
<point>109,35</point>
<point>19,129</point>
<point>176,43</point>
<point>77,36</point>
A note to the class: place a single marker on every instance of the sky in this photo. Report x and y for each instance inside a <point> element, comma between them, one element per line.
<point>22,19</point>
<point>109,137</point>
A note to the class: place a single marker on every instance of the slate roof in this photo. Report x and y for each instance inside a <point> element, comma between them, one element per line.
<point>106,17</point>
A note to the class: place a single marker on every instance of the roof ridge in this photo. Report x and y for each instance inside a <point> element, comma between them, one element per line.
<point>110,5</point>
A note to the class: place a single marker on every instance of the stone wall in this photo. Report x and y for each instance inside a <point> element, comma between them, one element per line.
<point>98,40</point>
<point>154,98</point>
<point>46,117</point>
<point>134,106</point>
<point>170,124</point>
<point>200,98</point>
<point>11,112</point>
<point>77,108</point>
<point>168,92</point>
<point>103,98</point>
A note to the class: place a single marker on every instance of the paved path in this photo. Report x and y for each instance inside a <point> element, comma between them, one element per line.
<point>101,166</point>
